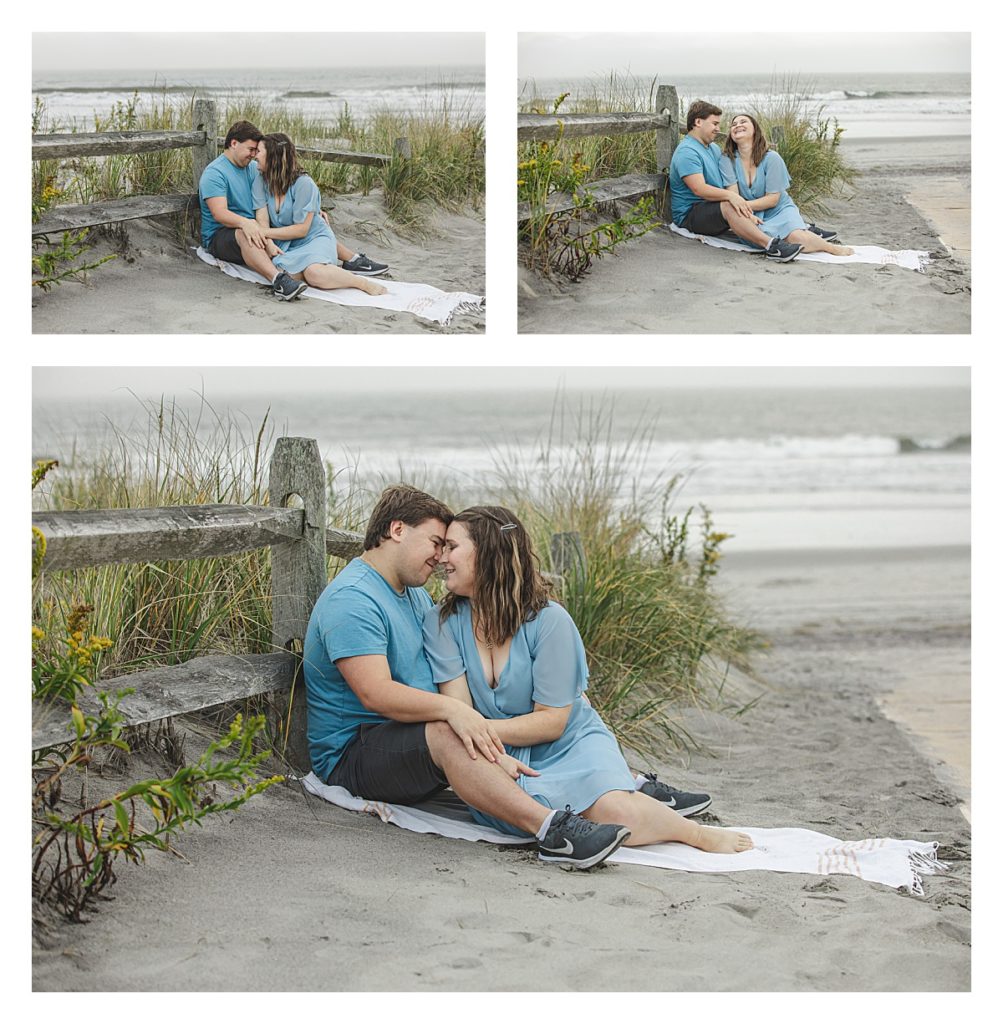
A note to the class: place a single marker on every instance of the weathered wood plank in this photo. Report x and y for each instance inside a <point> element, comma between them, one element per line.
<point>59,146</point>
<point>106,536</point>
<point>175,690</point>
<point>546,127</point>
<point>75,218</point>
<point>344,543</point>
<point>630,186</point>
<point>334,156</point>
<point>205,120</point>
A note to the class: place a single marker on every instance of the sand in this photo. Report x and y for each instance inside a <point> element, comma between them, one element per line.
<point>157,286</point>
<point>295,894</point>
<point>909,194</point>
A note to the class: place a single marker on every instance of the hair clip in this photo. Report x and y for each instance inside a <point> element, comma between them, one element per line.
<point>508,526</point>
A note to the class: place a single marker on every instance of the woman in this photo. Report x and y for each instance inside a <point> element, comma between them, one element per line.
<point>759,175</point>
<point>496,642</point>
<point>287,206</point>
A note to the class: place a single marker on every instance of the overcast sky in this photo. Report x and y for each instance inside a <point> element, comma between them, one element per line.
<point>587,54</point>
<point>58,382</point>
<point>152,51</point>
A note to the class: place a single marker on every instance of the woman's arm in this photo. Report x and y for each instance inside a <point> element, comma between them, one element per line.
<point>766,202</point>
<point>458,689</point>
<point>293,231</point>
<point>542,725</point>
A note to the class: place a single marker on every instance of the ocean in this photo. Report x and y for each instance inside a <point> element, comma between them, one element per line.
<point>73,98</point>
<point>779,468</point>
<point>871,105</point>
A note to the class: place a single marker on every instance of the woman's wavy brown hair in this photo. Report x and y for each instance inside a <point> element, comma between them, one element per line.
<point>281,165</point>
<point>760,147</point>
<point>508,587</point>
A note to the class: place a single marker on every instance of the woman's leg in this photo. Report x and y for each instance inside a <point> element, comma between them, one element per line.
<point>810,242</point>
<point>650,821</point>
<point>327,275</point>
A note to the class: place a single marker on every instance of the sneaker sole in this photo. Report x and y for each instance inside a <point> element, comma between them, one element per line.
<point>369,273</point>
<point>583,865</point>
<point>295,295</point>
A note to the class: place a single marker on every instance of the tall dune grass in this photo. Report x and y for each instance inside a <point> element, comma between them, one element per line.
<point>651,624</point>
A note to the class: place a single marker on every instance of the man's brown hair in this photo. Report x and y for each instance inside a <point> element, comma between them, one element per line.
<point>406,503</point>
<point>242,131</point>
<point>700,110</point>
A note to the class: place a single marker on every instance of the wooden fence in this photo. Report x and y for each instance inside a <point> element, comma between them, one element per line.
<point>665,122</point>
<point>205,141</point>
<point>293,526</point>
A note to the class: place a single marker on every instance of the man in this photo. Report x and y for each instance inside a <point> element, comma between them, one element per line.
<point>229,229</point>
<point>377,724</point>
<point>700,202</point>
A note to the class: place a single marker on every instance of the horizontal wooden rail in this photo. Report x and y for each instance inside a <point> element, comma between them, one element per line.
<point>114,211</point>
<point>630,187</point>
<point>344,543</point>
<point>107,536</point>
<point>59,146</point>
<point>546,127</point>
<point>174,690</point>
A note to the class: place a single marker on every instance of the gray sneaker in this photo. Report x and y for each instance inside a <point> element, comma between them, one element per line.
<point>286,289</point>
<point>572,839</point>
<point>780,251</point>
<point>824,233</point>
<point>682,803</point>
<point>362,265</point>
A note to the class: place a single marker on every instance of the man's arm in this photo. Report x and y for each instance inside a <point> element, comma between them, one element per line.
<point>221,212</point>
<point>697,184</point>
<point>766,202</point>
<point>369,677</point>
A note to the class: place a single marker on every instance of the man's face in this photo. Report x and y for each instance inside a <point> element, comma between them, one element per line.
<point>420,549</point>
<point>707,129</point>
<point>242,153</point>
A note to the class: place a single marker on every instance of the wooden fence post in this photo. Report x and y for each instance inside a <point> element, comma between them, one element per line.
<point>299,570</point>
<point>402,148</point>
<point>567,556</point>
<point>204,120</point>
<point>777,133</point>
<point>666,139</point>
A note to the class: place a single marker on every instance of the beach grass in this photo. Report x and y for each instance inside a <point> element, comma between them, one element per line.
<point>653,628</point>
<point>446,168</point>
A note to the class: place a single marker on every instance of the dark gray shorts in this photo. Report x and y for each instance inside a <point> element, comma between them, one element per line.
<point>389,761</point>
<point>223,245</point>
<point>706,219</point>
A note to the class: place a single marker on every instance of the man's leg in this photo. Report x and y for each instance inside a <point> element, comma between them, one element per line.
<point>481,783</point>
<point>255,258</point>
<point>745,227</point>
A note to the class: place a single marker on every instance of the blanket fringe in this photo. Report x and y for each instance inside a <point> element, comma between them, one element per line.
<point>925,864</point>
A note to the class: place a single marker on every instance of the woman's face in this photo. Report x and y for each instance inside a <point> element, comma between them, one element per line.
<point>458,559</point>
<point>742,128</point>
<point>262,155</point>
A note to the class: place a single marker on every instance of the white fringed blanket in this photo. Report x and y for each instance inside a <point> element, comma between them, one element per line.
<point>895,862</point>
<point>420,299</point>
<point>908,259</point>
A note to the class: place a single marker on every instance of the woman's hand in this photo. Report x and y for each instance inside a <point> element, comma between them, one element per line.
<point>742,206</point>
<point>271,249</point>
<point>474,730</point>
<point>515,768</point>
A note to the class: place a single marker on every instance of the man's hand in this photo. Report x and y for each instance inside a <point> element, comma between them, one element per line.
<point>252,229</point>
<point>743,207</point>
<point>515,768</point>
<point>476,731</point>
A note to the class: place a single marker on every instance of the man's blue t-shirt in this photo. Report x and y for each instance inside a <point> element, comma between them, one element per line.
<point>692,157</point>
<point>358,613</point>
<point>223,178</point>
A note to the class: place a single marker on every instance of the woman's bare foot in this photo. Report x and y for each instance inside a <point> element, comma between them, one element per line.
<point>371,287</point>
<point>841,250</point>
<point>721,840</point>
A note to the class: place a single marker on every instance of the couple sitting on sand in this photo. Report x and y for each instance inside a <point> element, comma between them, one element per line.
<point>742,190</point>
<point>484,692</point>
<point>259,208</point>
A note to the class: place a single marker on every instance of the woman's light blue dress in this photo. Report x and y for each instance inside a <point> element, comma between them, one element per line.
<point>318,245</point>
<point>771,176</point>
<point>546,665</point>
